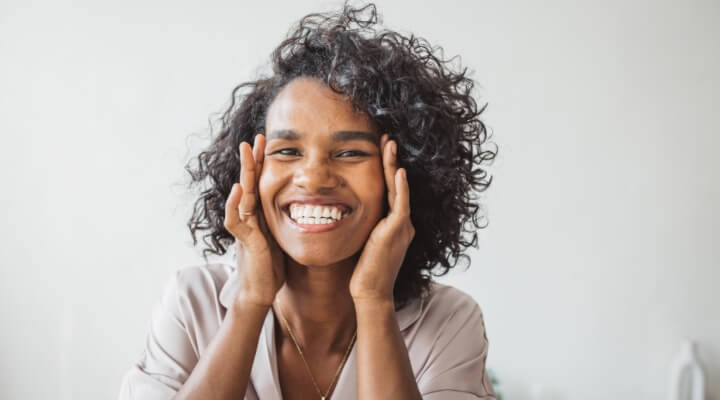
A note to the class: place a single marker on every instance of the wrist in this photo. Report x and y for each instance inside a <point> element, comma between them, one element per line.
<point>248,306</point>
<point>374,303</point>
<point>241,317</point>
<point>374,312</point>
<point>254,294</point>
<point>376,294</point>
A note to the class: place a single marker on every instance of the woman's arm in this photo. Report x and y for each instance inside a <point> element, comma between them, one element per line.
<point>223,372</point>
<point>384,370</point>
<point>454,352</point>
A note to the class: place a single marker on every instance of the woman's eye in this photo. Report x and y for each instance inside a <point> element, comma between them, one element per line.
<point>293,152</point>
<point>286,152</point>
<point>352,153</point>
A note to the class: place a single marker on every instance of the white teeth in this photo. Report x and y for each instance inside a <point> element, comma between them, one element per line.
<point>309,214</point>
<point>314,221</point>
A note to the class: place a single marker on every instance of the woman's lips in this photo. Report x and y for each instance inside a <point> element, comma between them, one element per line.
<point>314,228</point>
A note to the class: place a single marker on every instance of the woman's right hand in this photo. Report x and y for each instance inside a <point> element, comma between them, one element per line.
<point>261,262</point>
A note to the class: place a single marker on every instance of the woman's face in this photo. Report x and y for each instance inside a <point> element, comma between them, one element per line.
<point>321,187</point>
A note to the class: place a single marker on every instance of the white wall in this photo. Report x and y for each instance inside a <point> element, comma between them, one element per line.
<point>601,252</point>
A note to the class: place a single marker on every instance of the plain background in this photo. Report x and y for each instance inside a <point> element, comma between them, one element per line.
<point>602,249</point>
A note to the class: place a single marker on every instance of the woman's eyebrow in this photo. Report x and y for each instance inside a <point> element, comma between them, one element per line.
<point>339,136</point>
<point>285,134</point>
<point>343,136</point>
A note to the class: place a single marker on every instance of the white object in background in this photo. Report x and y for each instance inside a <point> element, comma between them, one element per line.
<point>687,378</point>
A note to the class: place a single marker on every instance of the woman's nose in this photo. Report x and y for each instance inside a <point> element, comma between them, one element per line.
<point>316,175</point>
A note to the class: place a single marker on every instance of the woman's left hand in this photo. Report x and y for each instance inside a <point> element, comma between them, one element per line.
<point>383,255</point>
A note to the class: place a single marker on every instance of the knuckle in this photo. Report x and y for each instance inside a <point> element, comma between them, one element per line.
<point>248,190</point>
<point>410,230</point>
<point>250,168</point>
<point>229,200</point>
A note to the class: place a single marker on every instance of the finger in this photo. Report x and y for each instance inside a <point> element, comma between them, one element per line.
<point>390,169</point>
<point>402,198</point>
<point>383,140</point>
<point>232,217</point>
<point>259,151</point>
<point>383,157</point>
<point>247,180</point>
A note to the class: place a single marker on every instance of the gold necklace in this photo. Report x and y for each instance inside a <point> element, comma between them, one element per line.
<point>297,345</point>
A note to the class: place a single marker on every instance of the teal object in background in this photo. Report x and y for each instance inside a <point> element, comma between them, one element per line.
<point>496,384</point>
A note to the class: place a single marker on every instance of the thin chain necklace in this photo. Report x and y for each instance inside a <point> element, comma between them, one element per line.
<point>299,349</point>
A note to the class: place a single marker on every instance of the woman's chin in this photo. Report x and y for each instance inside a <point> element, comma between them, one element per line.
<point>320,260</point>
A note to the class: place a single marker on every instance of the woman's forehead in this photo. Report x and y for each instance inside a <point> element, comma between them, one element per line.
<point>308,105</point>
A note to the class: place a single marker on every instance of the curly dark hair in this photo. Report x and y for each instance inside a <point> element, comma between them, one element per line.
<point>408,90</point>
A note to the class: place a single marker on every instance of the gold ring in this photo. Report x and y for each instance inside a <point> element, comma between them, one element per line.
<point>247,214</point>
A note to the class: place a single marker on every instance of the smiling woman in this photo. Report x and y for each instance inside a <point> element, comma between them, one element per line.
<point>332,159</point>
<point>344,180</point>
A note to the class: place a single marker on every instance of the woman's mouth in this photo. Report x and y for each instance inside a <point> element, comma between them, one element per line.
<point>316,217</point>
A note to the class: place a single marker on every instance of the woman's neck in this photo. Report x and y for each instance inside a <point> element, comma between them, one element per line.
<point>317,305</point>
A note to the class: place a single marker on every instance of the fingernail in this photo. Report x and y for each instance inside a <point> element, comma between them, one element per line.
<point>393,147</point>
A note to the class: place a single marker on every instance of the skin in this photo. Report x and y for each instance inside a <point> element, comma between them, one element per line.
<point>326,284</point>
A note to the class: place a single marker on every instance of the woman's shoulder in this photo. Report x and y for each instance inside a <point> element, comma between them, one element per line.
<point>447,295</point>
<point>191,303</point>
<point>448,345</point>
<point>204,277</point>
<point>449,301</point>
<point>197,288</point>
<point>442,306</point>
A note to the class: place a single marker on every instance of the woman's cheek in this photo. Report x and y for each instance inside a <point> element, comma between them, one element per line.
<point>269,173</point>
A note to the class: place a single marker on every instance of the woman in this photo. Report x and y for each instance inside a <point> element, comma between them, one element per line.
<point>311,178</point>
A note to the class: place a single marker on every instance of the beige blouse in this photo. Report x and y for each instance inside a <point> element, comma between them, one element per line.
<point>444,333</point>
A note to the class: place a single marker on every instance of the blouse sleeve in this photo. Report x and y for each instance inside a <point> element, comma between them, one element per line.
<point>169,354</point>
<point>455,369</point>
